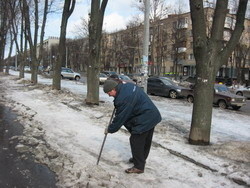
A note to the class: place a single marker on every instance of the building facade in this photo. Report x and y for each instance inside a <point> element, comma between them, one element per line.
<point>171,47</point>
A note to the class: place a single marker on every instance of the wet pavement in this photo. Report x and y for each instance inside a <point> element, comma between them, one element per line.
<point>16,170</point>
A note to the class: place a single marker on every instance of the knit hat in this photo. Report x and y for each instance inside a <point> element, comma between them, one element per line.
<point>109,85</point>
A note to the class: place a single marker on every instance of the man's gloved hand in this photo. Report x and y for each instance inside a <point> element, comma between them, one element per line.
<point>106,131</point>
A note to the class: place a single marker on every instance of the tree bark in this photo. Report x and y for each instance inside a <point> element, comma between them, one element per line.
<point>95,35</point>
<point>3,30</point>
<point>69,6</point>
<point>210,54</point>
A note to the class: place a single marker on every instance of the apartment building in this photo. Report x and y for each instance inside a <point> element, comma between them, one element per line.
<point>170,48</point>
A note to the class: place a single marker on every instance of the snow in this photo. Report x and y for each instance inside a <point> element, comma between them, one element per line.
<point>65,134</point>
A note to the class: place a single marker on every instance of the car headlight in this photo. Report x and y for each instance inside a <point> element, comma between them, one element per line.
<point>232,99</point>
<point>244,100</point>
<point>179,90</point>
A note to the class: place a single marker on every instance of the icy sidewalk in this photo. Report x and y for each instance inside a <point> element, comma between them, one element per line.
<point>65,134</point>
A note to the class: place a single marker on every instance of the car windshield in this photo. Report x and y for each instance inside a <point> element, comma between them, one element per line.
<point>221,88</point>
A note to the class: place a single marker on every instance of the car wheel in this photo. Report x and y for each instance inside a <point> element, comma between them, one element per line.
<point>77,78</point>
<point>173,94</point>
<point>239,93</point>
<point>222,104</point>
<point>236,107</point>
<point>190,99</point>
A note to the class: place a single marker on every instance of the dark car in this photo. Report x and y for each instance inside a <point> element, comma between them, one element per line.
<point>122,78</point>
<point>125,78</point>
<point>163,86</point>
<point>109,73</point>
<point>222,97</point>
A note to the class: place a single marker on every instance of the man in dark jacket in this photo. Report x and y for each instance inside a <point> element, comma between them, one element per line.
<point>138,114</point>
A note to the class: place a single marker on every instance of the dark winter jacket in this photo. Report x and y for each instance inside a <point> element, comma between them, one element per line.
<point>134,110</point>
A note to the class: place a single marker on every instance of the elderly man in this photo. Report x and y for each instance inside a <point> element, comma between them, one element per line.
<point>138,114</point>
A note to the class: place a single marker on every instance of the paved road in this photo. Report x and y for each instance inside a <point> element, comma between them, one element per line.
<point>14,170</point>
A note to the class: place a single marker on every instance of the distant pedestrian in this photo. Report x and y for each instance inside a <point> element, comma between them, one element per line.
<point>138,114</point>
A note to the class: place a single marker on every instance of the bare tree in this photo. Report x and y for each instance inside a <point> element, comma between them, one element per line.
<point>95,35</point>
<point>82,30</point>
<point>68,8</point>
<point>158,11</point>
<point>158,8</point>
<point>77,54</point>
<point>210,54</point>
<point>45,13</point>
<point>3,30</point>
<point>30,12</point>
<point>241,52</point>
<point>10,51</point>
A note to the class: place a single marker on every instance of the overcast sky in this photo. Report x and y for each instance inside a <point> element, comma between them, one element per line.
<point>117,14</point>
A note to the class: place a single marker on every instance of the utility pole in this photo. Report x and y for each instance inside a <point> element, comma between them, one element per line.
<point>145,45</point>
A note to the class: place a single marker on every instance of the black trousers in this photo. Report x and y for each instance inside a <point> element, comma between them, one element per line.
<point>140,147</point>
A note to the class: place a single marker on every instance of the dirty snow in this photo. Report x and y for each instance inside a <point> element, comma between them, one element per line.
<point>61,131</point>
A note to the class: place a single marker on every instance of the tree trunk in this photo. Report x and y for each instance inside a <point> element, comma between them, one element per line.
<point>95,35</point>
<point>69,6</point>
<point>41,49</point>
<point>210,54</point>
<point>3,30</point>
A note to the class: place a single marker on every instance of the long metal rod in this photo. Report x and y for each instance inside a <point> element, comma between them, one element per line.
<point>100,153</point>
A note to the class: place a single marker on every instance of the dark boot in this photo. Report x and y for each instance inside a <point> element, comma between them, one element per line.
<point>134,170</point>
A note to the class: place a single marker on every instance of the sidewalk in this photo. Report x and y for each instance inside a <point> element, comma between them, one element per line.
<point>69,136</point>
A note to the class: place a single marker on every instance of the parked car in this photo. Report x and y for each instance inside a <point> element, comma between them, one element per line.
<point>125,78</point>
<point>136,77</point>
<point>187,81</point>
<point>222,97</point>
<point>102,78</point>
<point>122,78</point>
<point>244,91</point>
<point>162,86</point>
<point>27,69</point>
<point>40,68</point>
<point>109,73</point>
<point>70,74</point>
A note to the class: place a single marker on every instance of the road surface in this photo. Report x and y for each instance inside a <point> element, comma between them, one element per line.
<point>15,169</point>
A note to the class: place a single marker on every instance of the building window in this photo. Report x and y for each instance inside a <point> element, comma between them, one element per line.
<point>191,56</point>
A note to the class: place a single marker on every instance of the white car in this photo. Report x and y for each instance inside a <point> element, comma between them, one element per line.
<point>27,69</point>
<point>70,74</point>
<point>243,91</point>
<point>102,78</point>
